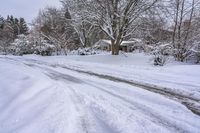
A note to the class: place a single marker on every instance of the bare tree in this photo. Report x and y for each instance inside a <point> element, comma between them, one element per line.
<point>184,11</point>
<point>114,17</point>
<point>6,36</point>
<point>79,21</point>
<point>53,26</point>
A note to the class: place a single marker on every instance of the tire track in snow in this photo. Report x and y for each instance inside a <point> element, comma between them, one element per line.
<point>100,124</point>
<point>77,99</point>
<point>191,103</point>
<point>157,118</point>
<point>160,120</point>
<point>132,104</point>
<point>84,120</point>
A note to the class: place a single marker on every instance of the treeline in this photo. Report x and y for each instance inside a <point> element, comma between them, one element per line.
<point>10,28</point>
<point>60,28</point>
<point>13,26</point>
<point>174,24</point>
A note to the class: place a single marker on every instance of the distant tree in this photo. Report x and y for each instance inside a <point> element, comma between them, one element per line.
<point>51,24</point>
<point>19,25</point>
<point>86,31</point>
<point>23,26</point>
<point>6,37</point>
<point>11,20</point>
<point>1,22</point>
<point>16,27</point>
<point>113,17</point>
<point>10,28</point>
<point>152,28</point>
<point>184,15</point>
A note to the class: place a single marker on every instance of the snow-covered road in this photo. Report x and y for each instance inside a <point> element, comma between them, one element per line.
<point>39,98</point>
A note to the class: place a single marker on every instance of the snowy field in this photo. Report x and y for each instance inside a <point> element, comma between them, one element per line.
<point>39,96</point>
<point>180,77</point>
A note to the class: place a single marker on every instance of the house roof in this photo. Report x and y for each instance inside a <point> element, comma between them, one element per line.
<point>124,43</point>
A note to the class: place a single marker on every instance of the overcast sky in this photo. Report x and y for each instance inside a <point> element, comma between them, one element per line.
<point>25,8</point>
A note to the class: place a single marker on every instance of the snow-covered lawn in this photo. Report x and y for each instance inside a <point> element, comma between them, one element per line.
<point>181,77</point>
<point>38,97</point>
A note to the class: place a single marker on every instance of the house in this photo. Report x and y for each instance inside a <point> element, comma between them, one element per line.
<point>126,46</point>
<point>103,45</point>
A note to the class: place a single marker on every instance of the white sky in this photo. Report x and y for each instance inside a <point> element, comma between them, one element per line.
<point>25,8</point>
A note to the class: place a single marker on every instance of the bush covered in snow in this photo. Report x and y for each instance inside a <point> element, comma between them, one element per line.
<point>160,60</point>
<point>195,53</point>
<point>44,48</point>
<point>21,46</point>
<point>86,51</point>
<point>161,53</point>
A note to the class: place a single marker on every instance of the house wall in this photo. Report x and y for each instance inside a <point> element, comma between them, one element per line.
<point>123,48</point>
<point>109,48</point>
<point>105,47</point>
<point>129,49</point>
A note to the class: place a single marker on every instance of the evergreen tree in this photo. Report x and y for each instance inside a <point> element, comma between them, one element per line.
<point>8,18</point>
<point>16,27</point>
<point>16,21</point>
<point>1,22</point>
<point>11,19</point>
<point>23,26</point>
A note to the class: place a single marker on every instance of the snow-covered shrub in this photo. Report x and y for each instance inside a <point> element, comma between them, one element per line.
<point>86,51</point>
<point>182,53</point>
<point>21,46</point>
<point>195,53</point>
<point>161,54</point>
<point>139,46</point>
<point>24,45</point>
<point>160,60</point>
<point>44,48</point>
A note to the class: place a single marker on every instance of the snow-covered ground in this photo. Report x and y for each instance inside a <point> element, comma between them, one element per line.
<point>39,97</point>
<point>180,77</point>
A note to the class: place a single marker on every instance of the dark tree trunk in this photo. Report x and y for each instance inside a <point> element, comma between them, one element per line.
<point>117,50</point>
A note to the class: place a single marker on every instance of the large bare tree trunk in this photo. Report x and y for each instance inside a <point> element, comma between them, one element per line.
<point>179,43</point>
<point>181,20</point>
<point>113,47</point>
<point>114,12</point>
<point>176,21</point>
<point>190,21</point>
<point>117,50</point>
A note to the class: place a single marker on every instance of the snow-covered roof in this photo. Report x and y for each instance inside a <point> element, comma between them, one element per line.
<point>106,41</point>
<point>124,43</point>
